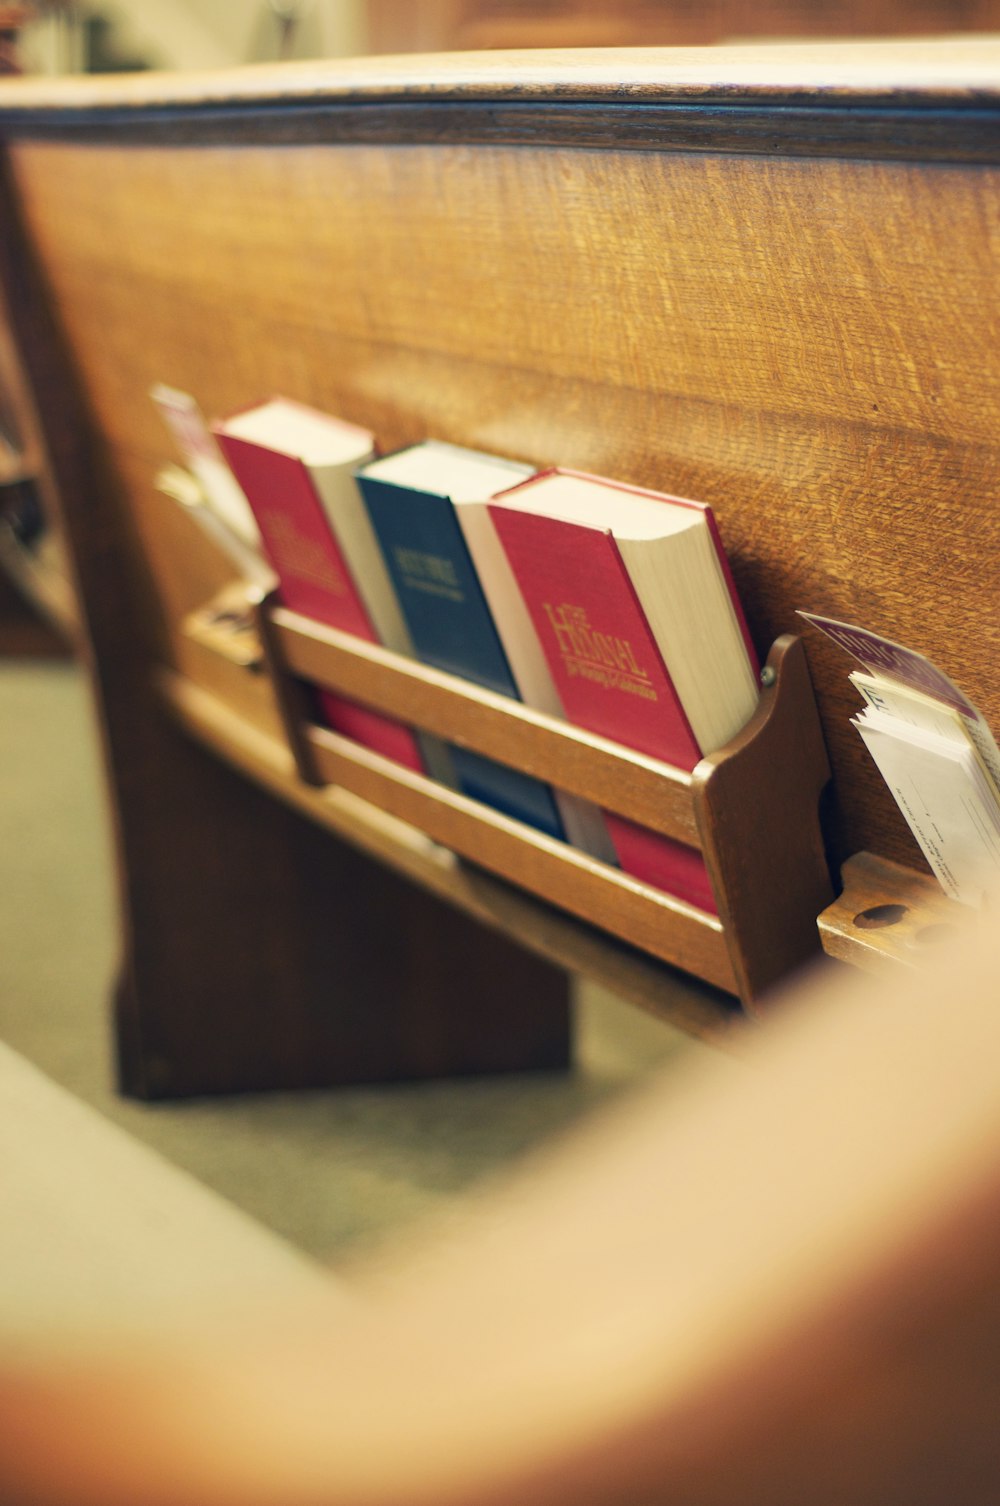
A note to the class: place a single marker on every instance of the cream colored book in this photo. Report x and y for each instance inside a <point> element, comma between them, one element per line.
<point>221,492</point>
<point>947,796</point>
<point>330,451</point>
<point>908,704</point>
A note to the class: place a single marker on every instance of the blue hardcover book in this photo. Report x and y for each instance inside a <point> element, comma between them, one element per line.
<point>409,499</point>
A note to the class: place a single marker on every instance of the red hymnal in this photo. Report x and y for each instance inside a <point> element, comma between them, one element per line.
<point>635,610</point>
<point>286,493</point>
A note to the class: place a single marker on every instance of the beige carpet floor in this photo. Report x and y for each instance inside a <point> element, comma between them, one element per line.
<point>338,1173</point>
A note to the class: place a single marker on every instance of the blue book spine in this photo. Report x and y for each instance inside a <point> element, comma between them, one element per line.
<point>452,629</point>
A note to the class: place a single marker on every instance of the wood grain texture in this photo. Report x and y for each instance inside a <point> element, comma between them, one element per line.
<point>803,340</point>
<point>642,916</point>
<point>757,804</point>
<point>808,346</point>
<point>236,974</point>
<point>889,916</point>
<point>608,774</point>
<point>760,835</point>
<point>543,929</point>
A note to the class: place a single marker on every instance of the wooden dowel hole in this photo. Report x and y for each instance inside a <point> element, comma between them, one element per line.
<point>877,916</point>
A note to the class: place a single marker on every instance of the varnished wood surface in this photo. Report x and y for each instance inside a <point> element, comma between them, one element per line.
<point>757,805</point>
<point>908,101</point>
<point>550,933</point>
<point>809,346</point>
<point>760,835</point>
<point>805,341</point>
<point>883,131</point>
<point>889,916</point>
<point>643,916</point>
<point>609,775</point>
<point>772,1284</point>
<point>249,937</point>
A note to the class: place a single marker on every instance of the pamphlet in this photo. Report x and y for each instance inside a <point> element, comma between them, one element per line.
<point>936,754</point>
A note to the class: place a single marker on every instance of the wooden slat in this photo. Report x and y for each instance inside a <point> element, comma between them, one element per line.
<point>806,344</point>
<point>643,789</point>
<point>906,102</point>
<point>757,801</point>
<point>551,933</point>
<point>640,915</point>
<point>760,834</point>
<point>874,132</point>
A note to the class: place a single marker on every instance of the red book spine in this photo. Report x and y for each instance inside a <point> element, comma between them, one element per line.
<point>372,730</point>
<point>689,502</point>
<point>607,668</point>
<point>608,671</point>
<point>313,578</point>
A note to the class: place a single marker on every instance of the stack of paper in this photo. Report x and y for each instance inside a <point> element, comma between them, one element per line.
<point>936,754</point>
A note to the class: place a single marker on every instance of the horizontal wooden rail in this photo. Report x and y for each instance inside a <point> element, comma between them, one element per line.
<point>654,794</point>
<point>750,808</point>
<point>594,891</point>
<point>542,927</point>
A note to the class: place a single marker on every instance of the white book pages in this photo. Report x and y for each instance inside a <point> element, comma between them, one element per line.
<point>669,553</point>
<point>907,704</point>
<point>943,790</point>
<point>448,470</point>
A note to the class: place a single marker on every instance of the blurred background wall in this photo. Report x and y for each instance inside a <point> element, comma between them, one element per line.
<point>112,35</point>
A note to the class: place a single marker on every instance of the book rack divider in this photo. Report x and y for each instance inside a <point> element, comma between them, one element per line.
<point>751,808</point>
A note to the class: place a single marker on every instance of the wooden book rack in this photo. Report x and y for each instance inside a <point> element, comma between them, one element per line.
<point>754,831</point>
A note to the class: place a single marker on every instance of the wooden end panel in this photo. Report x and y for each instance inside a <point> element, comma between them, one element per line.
<point>757,805</point>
